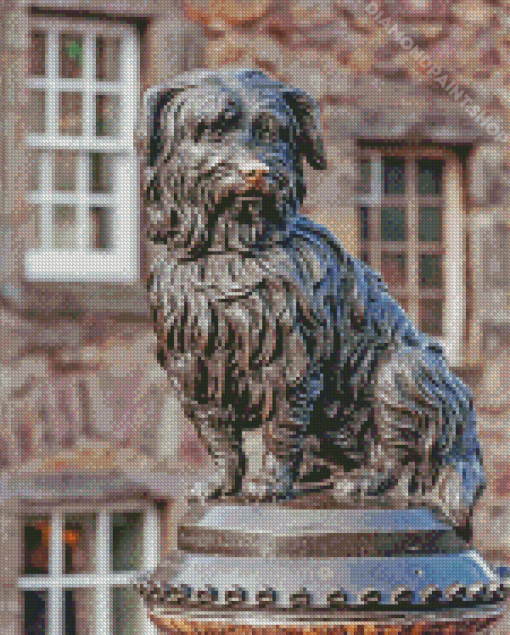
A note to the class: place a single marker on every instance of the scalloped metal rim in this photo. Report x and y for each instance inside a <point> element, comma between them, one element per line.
<point>156,595</point>
<point>289,617</point>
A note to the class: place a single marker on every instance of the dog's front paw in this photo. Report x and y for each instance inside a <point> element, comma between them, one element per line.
<point>257,490</point>
<point>346,490</point>
<point>264,488</point>
<point>212,488</point>
<point>447,496</point>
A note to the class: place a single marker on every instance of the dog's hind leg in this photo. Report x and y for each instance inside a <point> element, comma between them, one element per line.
<point>405,427</point>
<point>224,443</point>
<point>281,463</point>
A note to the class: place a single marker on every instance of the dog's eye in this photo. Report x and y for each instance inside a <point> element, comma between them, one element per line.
<point>209,132</point>
<point>266,129</point>
<point>200,130</point>
<point>216,133</point>
<point>217,129</point>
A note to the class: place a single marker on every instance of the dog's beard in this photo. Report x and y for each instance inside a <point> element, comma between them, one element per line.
<point>202,216</point>
<point>242,222</point>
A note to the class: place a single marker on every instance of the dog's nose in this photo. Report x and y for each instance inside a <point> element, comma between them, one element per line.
<point>253,173</point>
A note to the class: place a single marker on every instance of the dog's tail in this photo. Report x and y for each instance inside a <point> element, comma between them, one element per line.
<point>459,478</point>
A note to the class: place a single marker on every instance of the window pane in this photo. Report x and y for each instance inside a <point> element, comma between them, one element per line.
<point>34,169</point>
<point>101,172</point>
<point>36,114</point>
<point>365,169</point>
<point>393,269</point>
<point>64,170</point>
<point>80,543</point>
<point>33,226</point>
<point>70,119</point>
<point>125,611</point>
<point>79,612</point>
<point>37,54</point>
<point>107,115</point>
<point>430,177</point>
<point>431,316</point>
<point>107,58</point>
<point>364,224</point>
<point>101,228</point>
<point>393,224</point>
<point>36,545</point>
<point>35,612</point>
<point>431,274</point>
<point>127,529</point>
<point>70,55</point>
<point>394,175</point>
<point>64,227</point>
<point>431,224</point>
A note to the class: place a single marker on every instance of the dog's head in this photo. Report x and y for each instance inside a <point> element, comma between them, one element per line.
<point>225,159</point>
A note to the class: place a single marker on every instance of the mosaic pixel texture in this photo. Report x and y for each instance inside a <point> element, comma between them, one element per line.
<point>408,101</point>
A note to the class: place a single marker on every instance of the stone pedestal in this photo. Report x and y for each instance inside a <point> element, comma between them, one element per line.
<point>280,568</point>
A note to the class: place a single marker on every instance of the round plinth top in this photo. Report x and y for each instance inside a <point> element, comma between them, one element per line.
<point>284,520</point>
<point>263,530</point>
<point>276,565</point>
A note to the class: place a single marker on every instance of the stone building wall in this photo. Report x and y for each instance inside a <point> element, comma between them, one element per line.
<point>77,361</point>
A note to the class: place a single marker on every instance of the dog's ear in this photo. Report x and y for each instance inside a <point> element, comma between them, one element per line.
<point>151,133</point>
<point>309,136</point>
<point>155,100</point>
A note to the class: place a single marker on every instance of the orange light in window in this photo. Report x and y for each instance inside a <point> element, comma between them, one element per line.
<point>72,537</point>
<point>44,528</point>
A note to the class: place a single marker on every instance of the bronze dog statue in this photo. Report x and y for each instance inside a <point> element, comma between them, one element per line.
<point>265,320</point>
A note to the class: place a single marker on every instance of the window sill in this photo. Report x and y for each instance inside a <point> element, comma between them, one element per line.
<point>54,265</point>
<point>59,283</point>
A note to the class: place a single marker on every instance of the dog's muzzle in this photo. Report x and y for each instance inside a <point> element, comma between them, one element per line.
<point>248,197</point>
<point>253,174</point>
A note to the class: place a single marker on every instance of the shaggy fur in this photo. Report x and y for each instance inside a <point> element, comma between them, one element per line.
<point>263,319</point>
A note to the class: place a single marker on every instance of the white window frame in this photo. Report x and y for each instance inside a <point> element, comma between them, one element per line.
<point>103,580</point>
<point>120,264</point>
<point>454,233</point>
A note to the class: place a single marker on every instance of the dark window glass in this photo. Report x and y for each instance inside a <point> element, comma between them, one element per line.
<point>364,224</point>
<point>36,545</point>
<point>431,274</point>
<point>107,58</point>
<point>430,177</point>
<point>70,55</point>
<point>431,224</point>
<point>393,224</point>
<point>394,175</point>
<point>65,163</point>
<point>365,168</point>
<point>101,228</point>
<point>37,54</point>
<point>127,529</point>
<point>70,121</point>
<point>107,115</point>
<point>101,172</point>
<point>125,606</point>
<point>80,543</point>
<point>35,612</point>
<point>79,612</point>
